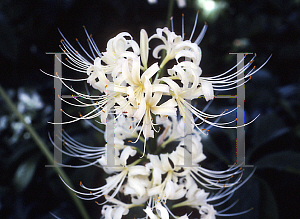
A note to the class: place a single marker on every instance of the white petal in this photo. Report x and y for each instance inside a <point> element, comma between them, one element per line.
<point>139,114</point>
<point>148,90</point>
<point>125,154</point>
<point>144,43</point>
<point>157,50</point>
<point>156,176</point>
<point>160,88</point>
<point>150,71</point>
<point>207,89</point>
<point>127,74</point>
<point>120,211</point>
<point>174,86</point>
<point>162,211</point>
<point>108,212</point>
<point>136,71</point>
<point>138,170</point>
<point>150,213</point>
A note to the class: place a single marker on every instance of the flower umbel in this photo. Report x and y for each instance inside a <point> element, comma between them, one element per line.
<point>131,86</point>
<point>141,101</point>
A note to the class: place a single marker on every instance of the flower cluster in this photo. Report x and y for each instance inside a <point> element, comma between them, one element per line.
<point>140,98</point>
<point>151,182</point>
<point>133,87</point>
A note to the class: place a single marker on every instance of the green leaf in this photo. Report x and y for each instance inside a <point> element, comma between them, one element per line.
<point>24,174</point>
<point>286,160</point>
<point>268,206</point>
<point>265,129</point>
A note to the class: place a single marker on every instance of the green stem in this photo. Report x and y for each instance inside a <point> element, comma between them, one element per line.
<point>46,152</point>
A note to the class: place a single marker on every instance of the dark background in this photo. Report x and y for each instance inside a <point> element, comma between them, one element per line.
<point>28,29</point>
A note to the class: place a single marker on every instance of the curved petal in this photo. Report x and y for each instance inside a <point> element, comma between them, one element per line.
<point>125,154</point>
<point>144,43</point>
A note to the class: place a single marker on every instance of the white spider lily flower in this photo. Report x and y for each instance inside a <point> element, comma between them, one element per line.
<point>196,152</point>
<point>117,49</point>
<point>173,130</point>
<point>207,178</point>
<point>138,181</point>
<point>207,212</point>
<point>168,189</point>
<point>113,212</point>
<point>161,211</point>
<point>196,196</point>
<point>114,182</point>
<point>117,210</point>
<point>124,128</point>
<point>175,47</point>
<point>140,95</point>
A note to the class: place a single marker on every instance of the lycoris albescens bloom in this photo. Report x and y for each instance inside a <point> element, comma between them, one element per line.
<point>131,86</point>
<point>142,99</point>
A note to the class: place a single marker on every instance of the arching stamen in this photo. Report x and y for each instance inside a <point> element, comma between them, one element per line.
<point>201,35</point>
<point>195,24</point>
<point>182,27</point>
<point>172,27</point>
